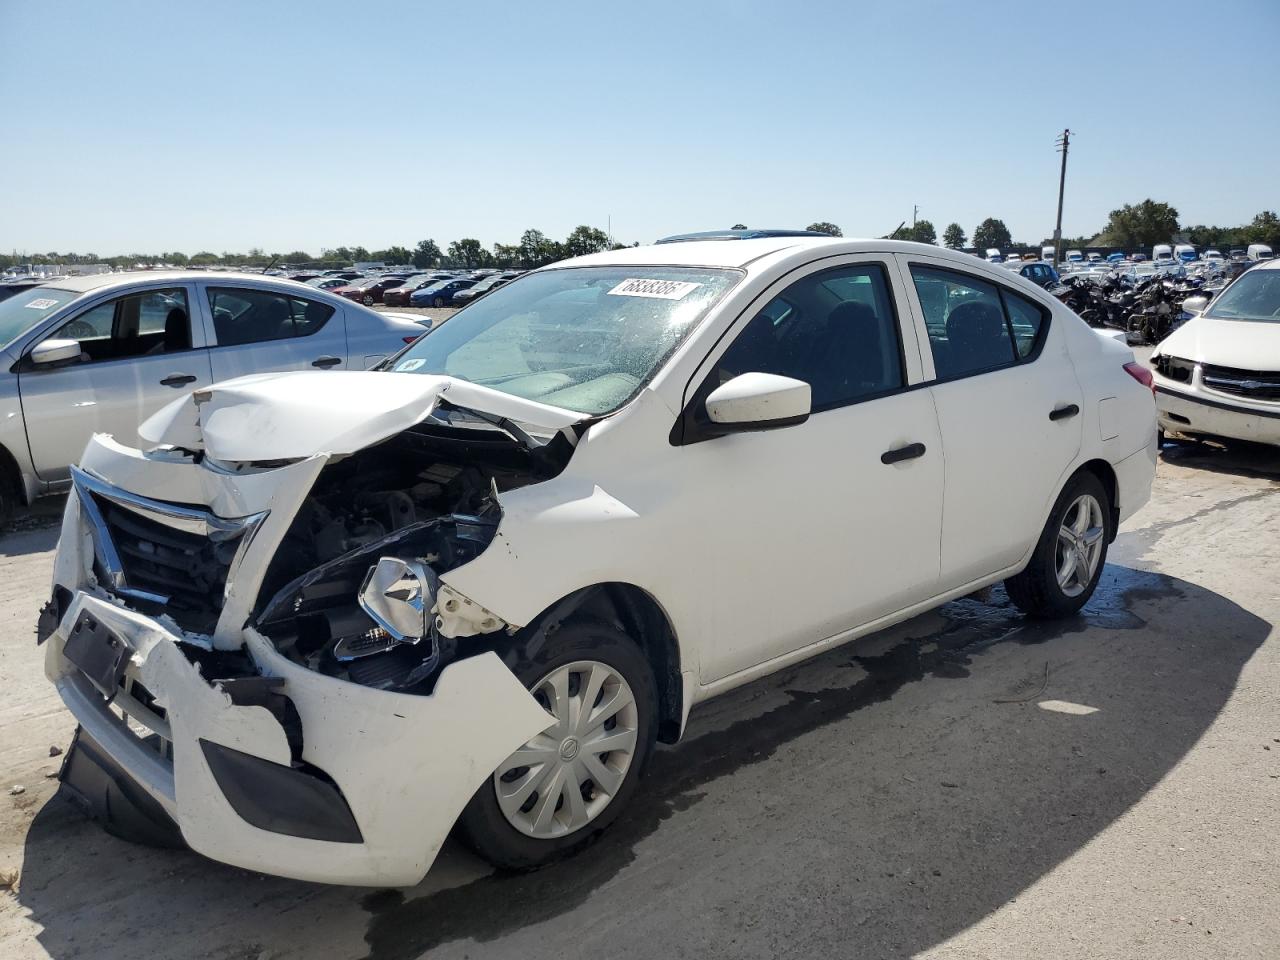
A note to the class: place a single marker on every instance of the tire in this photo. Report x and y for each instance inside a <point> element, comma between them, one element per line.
<point>10,494</point>
<point>368,300</point>
<point>1042,590</point>
<point>438,302</point>
<point>493,833</point>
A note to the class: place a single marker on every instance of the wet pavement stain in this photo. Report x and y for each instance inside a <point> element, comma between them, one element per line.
<point>491,906</point>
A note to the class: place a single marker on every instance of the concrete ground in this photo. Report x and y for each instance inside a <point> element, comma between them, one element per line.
<point>967,785</point>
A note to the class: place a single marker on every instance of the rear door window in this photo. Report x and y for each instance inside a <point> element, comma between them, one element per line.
<point>242,315</point>
<point>975,326</point>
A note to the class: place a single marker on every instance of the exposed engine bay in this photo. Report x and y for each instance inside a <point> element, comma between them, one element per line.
<point>367,547</point>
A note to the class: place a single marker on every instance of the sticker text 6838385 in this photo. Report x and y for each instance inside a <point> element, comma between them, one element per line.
<point>660,289</point>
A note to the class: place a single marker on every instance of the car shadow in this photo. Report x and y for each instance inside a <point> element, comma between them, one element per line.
<point>1239,458</point>
<point>901,789</point>
<point>33,529</point>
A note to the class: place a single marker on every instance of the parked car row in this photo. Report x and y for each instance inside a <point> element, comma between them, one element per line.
<point>438,288</point>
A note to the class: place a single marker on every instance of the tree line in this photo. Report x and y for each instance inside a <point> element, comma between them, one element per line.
<point>1131,227</point>
<point>535,249</point>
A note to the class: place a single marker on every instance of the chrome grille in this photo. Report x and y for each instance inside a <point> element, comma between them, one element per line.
<point>163,557</point>
<point>1252,384</point>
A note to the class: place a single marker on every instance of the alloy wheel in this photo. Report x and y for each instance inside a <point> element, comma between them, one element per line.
<point>1080,542</point>
<point>567,775</point>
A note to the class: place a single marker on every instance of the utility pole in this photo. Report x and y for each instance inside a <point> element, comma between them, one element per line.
<point>915,208</point>
<point>1064,144</point>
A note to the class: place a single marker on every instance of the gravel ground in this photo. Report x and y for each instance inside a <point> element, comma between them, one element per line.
<point>966,785</point>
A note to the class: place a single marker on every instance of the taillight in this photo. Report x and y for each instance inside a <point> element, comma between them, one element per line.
<point>1141,374</point>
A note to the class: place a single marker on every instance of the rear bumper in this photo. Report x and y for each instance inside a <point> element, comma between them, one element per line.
<point>1193,412</point>
<point>1134,476</point>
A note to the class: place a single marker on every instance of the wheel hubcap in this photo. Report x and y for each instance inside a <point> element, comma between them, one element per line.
<point>1080,541</point>
<point>564,777</point>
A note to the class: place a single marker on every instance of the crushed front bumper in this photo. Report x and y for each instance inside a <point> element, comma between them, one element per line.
<point>400,767</point>
<point>347,784</point>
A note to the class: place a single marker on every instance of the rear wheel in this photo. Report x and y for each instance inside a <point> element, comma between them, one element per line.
<point>11,491</point>
<point>560,790</point>
<point>1069,556</point>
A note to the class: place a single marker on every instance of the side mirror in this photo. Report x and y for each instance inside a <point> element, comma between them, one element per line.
<point>758,401</point>
<point>55,351</point>
<point>1195,305</point>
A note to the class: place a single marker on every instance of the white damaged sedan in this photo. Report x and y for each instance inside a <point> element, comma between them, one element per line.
<point>317,620</point>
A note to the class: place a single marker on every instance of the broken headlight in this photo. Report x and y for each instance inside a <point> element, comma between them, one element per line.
<point>1175,368</point>
<point>367,616</point>
<point>398,595</point>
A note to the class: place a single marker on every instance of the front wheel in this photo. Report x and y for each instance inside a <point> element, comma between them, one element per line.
<point>1069,556</point>
<point>560,790</point>
<point>368,300</point>
<point>438,302</point>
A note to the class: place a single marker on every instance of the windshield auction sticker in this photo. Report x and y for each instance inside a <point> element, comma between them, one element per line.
<point>42,304</point>
<point>658,289</point>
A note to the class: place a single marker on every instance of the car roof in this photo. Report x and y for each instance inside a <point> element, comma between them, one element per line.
<point>741,253</point>
<point>101,281</point>
<point>744,234</point>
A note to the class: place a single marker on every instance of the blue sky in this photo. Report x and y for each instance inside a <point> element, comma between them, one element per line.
<point>228,125</point>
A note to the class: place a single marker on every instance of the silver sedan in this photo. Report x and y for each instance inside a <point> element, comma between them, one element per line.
<point>99,354</point>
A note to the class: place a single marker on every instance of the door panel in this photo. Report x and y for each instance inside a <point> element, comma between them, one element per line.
<point>113,392</point>
<point>1004,458</point>
<point>804,532</point>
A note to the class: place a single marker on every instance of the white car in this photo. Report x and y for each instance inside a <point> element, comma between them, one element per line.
<point>1219,373</point>
<point>101,353</point>
<point>345,612</point>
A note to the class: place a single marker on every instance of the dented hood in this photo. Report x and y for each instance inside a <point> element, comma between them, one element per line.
<point>286,416</point>
<point>1244,344</point>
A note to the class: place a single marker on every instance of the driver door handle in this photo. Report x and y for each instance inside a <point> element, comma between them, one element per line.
<point>1064,413</point>
<point>178,380</point>
<point>324,362</point>
<point>909,452</point>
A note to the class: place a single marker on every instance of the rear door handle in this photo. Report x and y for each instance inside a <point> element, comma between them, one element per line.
<point>1064,413</point>
<point>178,379</point>
<point>909,452</point>
<point>326,362</point>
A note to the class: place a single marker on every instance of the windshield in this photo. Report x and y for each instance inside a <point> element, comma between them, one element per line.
<point>25,309</point>
<point>582,338</point>
<point>1254,296</point>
